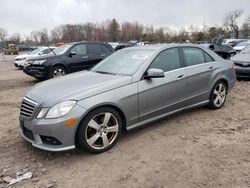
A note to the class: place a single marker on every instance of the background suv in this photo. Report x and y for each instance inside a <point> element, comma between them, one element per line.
<point>68,58</point>
<point>20,60</point>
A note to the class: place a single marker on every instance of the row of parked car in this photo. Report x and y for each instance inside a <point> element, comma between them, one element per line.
<point>50,62</point>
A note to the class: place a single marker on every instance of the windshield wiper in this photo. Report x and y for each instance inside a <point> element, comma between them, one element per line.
<point>104,72</point>
<point>52,50</point>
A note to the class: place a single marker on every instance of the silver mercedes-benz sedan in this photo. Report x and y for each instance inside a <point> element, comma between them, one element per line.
<point>130,88</point>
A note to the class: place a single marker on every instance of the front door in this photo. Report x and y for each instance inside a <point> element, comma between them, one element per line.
<point>159,96</point>
<point>79,60</point>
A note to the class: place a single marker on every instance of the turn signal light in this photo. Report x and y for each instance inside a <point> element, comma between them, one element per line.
<point>71,121</point>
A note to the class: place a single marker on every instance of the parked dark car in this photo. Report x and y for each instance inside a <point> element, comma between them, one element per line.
<point>242,63</point>
<point>124,45</point>
<point>224,50</point>
<point>235,42</point>
<point>68,58</point>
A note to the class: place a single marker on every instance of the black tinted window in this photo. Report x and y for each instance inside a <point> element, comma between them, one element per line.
<point>208,57</point>
<point>46,51</point>
<point>193,56</point>
<point>167,60</point>
<point>104,49</point>
<point>94,49</point>
<point>79,49</point>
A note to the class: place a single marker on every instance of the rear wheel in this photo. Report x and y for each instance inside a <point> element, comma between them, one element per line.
<point>99,130</point>
<point>218,95</point>
<point>57,71</point>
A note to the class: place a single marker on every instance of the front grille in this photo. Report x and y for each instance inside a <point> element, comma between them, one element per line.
<point>27,108</point>
<point>242,64</point>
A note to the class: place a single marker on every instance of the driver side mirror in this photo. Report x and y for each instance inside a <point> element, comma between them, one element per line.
<point>154,73</point>
<point>72,53</point>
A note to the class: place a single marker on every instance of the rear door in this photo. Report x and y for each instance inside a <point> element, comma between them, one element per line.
<point>200,67</point>
<point>158,96</point>
<point>78,61</point>
<point>95,54</point>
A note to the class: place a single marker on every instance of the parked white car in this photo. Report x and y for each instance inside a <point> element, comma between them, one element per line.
<point>241,46</point>
<point>41,51</point>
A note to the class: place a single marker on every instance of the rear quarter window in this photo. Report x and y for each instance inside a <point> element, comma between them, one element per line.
<point>208,57</point>
<point>193,56</point>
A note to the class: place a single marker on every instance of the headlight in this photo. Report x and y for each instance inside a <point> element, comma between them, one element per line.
<point>57,110</point>
<point>39,62</point>
<point>42,113</point>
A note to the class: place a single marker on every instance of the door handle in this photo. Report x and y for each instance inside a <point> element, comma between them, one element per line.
<point>180,77</point>
<point>85,57</point>
<point>211,68</point>
<point>103,55</point>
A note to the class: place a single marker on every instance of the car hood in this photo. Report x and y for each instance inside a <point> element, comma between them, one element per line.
<point>238,47</point>
<point>241,57</point>
<point>76,86</point>
<point>41,57</point>
<point>22,56</point>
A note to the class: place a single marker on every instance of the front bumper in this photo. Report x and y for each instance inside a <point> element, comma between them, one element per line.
<point>19,64</point>
<point>36,71</point>
<point>242,72</point>
<point>36,130</point>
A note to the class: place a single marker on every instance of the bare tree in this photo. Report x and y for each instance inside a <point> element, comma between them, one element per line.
<point>88,29</point>
<point>16,37</point>
<point>56,34</point>
<point>3,34</point>
<point>113,29</point>
<point>35,37</point>
<point>230,22</point>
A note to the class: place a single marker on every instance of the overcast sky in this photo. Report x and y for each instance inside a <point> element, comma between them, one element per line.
<point>27,15</point>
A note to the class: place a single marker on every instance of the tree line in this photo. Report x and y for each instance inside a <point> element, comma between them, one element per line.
<point>112,31</point>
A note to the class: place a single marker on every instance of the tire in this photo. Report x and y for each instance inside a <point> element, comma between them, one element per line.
<point>40,78</point>
<point>96,136</point>
<point>218,95</point>
<point>57,71</point>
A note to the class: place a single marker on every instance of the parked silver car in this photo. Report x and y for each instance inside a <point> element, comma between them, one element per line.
<point>132,87</point>
<point>242,63</point>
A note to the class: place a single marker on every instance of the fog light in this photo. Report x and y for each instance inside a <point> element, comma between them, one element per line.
<point>50,140</point>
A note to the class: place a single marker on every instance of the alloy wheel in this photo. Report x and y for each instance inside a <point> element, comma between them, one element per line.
<point>219,95</point>
<point>102,130</point>
<point>58,73</point>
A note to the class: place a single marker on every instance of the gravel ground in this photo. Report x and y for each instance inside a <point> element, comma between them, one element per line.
<point>197,148</point>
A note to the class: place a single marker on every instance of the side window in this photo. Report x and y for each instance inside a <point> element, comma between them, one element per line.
<point>46,51</point>
<point>104,49</point>
<point>208,57</point>
<point>193,56</point>
<point>167,60</point>
<point>79,49</point>
<point>94,49</point>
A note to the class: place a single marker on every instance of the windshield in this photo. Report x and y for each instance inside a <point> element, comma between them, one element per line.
<point>61,49</point>
<point>36,51</point>
<point>242,44</point>
<point>124,62</point>
<point>246,50</point>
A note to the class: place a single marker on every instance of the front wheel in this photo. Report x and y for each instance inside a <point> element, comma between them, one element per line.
<point>57,71</point>
<point>99,130</point>
<point>218,95</point>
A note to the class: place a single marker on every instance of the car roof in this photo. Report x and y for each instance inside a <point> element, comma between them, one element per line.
<point>163,46</point>
<point>84,42</point>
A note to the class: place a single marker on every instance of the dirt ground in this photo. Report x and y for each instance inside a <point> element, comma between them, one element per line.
<point>197,148</point>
